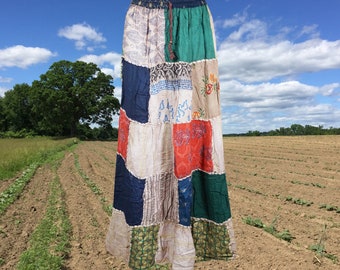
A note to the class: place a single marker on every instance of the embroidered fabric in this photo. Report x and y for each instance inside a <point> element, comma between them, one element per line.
<point>171,205</point>
<point>144,36</point>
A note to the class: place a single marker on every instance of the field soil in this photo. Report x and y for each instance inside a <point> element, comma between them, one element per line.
<point>267,177</point>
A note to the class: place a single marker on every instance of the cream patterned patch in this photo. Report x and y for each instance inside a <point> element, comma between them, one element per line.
<point>170,93</point>
<point>144,36</point>
<point>206,90</point>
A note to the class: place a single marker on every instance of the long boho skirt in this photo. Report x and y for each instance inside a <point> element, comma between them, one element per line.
<point>171,205</point>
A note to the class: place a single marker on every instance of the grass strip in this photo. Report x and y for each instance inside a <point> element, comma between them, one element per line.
<point>256,222</point>
<point>18,154</point>
<point>320,249</point>
<point>50,242</point>
<point>298,201</point>
<point>9,195</point>
<point>92,185</point>
<point>330,207</point>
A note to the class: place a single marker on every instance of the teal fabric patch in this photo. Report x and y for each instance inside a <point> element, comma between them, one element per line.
<point>192,36</point>
<point>210,197</point>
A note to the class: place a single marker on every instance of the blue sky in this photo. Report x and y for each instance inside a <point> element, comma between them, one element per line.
<point>279,60</point>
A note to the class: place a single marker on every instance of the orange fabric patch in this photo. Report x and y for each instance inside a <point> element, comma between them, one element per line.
<point>123,133</point>
<point>192,147</point>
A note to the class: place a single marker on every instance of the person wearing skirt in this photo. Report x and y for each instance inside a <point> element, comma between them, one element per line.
<point>171,205</point>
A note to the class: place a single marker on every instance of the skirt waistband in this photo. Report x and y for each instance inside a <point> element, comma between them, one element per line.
<point>165,3</point>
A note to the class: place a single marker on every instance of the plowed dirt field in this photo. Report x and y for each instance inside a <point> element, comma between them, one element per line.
<point>291,183</point>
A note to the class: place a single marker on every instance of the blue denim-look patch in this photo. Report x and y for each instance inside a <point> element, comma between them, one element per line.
<point>185,201</point>
<point>128,194</point>
<point>135,91</point>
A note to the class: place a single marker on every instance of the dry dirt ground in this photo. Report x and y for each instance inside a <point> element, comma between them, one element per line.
<point>262,172</point>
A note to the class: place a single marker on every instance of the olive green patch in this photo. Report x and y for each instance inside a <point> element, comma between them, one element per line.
<point>211,240</point>
<point>144,247</point>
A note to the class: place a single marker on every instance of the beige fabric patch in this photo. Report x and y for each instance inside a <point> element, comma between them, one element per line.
<point>217,153</point>
<point>149,150</point>
<point>176,245</point>
<point>206,90</point>
<point>160,199</point>
<point>144,36</point>
<point>184,257</point>
<point>118,236</point>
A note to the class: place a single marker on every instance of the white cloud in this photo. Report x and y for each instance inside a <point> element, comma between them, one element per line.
<point>251,53</point>
<point>23,57</point>
<point>5,80</point>
<point>236,20</point>
<point>310,31</point>
<point>256,61</point>
<point>269,96</point>
<point>3,90</point>
<point>108,71</point>
<point>110,63</point>
<point>118,93</point>
<point>254,29</point>
<point>267,106</point>
<point>84,36</point>
<point>244,120</point>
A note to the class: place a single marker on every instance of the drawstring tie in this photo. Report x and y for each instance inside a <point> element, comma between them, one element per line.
<point>171,52</point>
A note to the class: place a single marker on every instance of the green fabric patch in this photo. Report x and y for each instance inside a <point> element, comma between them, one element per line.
<point>210,197</point>
<point>211,240</point>
<point>192,36</point>
<point>144,247</point>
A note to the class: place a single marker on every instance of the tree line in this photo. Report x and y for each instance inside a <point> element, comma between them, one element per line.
<point>293,130</point>
<point>70,99</point>
<point>77,99</point>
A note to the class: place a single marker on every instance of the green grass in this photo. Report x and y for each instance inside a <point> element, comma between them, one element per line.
<point>298,201</point>
<point>17,154</point>
<point>330,207</point>
<point>271,228</point>
<point>9,195</point>
<point>250,190</point>
<point>320,249</point>
<point>49,244</point>
<point>296,182</point>
<point>92,185</point>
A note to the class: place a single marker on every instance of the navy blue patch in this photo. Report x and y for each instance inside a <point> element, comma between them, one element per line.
<point>185,201</point>
<point>135,91</point>
<point>128,194</point>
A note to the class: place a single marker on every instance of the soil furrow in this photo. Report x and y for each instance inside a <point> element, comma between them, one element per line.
<point>89,221</point>
<point>95,167</point>
<point>22,217</point>
<point>262,171</point>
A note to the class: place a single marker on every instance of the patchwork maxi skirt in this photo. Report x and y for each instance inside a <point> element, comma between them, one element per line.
<point>171,205</point>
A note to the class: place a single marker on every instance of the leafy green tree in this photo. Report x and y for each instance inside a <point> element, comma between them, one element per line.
<point>3,125</point>
<point>70,93</point>
<point>254,133</point>
<point>297,129</point>
<point>17,108</point>
<point>312,130</point>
